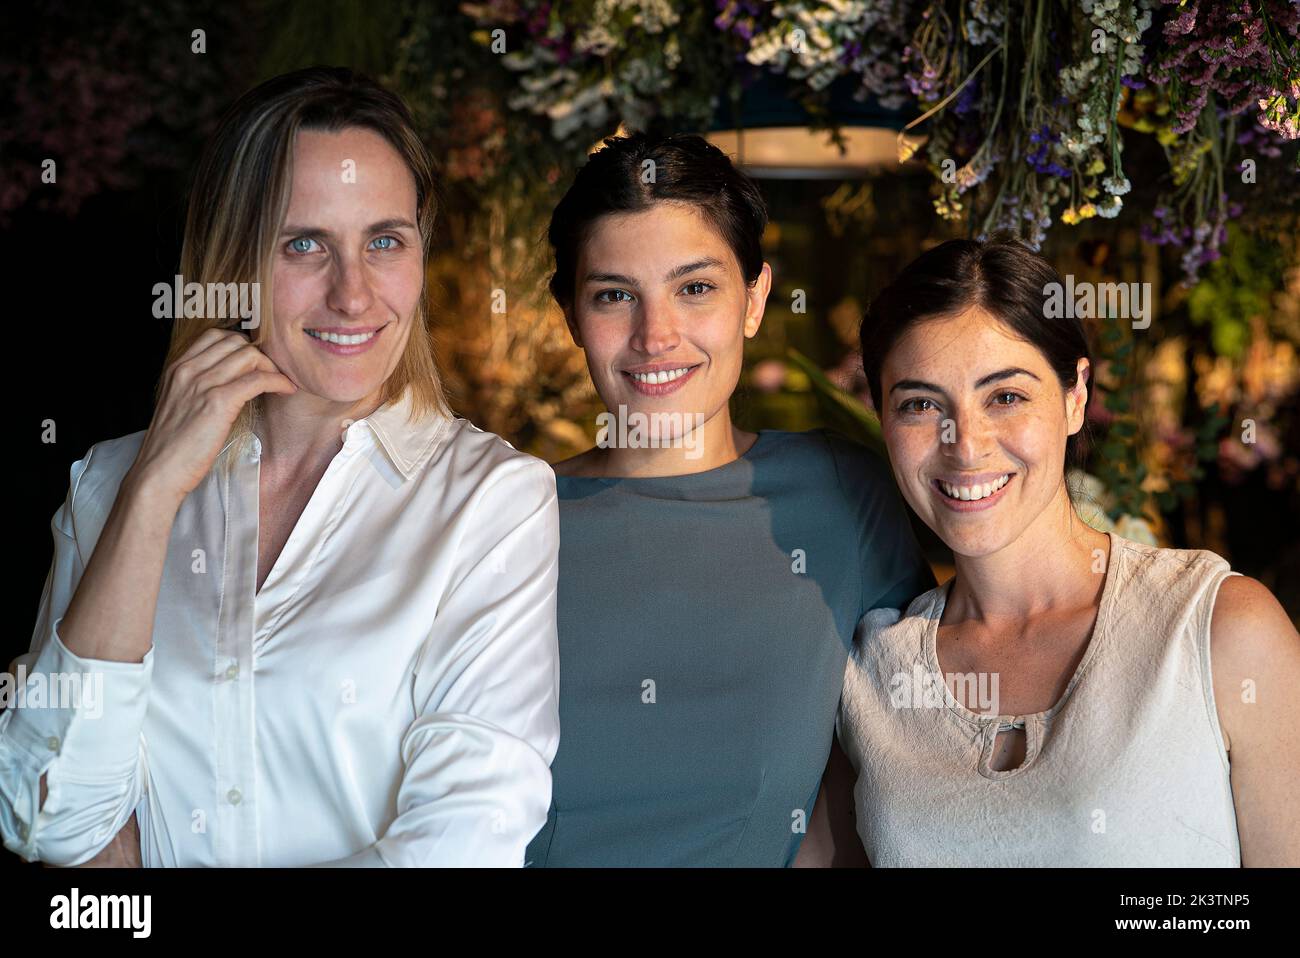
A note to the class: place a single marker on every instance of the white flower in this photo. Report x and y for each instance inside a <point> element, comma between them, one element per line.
<point>1135,529</point>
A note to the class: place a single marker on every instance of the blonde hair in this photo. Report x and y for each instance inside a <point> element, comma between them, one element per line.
<point>240,198</point>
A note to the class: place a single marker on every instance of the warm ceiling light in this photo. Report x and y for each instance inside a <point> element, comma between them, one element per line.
<point>802,153</point>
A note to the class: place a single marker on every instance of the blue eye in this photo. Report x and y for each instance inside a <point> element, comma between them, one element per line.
<point>294,244</point>
<point>389,241</point>
<point>600,297</point>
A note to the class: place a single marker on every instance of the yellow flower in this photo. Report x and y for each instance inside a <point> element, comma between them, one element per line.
<point>1090,191</point>
<point>1087,211</point>
<point>1070,216</point>
<point>1096,166</point>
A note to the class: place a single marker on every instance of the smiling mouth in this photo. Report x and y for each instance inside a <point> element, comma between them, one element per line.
<point>343,339</point>
<point>660,382</point>
<point>972,492</point>
<point>660,376</point>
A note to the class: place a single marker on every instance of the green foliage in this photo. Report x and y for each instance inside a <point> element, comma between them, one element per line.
<point>1236,288</point>
<point>844,413</point>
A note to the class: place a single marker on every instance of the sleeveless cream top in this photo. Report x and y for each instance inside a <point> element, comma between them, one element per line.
<point>1127,769</point>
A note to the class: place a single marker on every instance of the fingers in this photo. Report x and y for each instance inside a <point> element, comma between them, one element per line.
<point>209,351</point>
<point>222,362</point>
<point>211,344</point>
<point>255,383</point>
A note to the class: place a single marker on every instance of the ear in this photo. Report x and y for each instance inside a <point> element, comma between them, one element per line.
<point>1076,399</point>
<point>756,301</point>
<point>572,323</point>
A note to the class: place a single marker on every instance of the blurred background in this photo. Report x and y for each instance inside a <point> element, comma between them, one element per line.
<point>1149,142</point>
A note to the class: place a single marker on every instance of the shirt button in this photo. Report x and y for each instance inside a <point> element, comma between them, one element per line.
<point>233,670</point>
<point>234,796</point>
<point>53,743</point>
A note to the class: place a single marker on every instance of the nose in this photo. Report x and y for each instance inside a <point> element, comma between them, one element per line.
<point>966,437</point>
<point>656,328</point>
<point>350,292</point>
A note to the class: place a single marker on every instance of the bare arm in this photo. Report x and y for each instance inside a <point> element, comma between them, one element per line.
<point>832,840</point>
<point>1255,656</point>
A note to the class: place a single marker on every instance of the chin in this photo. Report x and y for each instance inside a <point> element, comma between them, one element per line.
<point>340,389</point>
<point>974,545</point>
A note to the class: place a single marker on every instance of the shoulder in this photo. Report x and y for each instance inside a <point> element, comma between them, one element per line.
<point>865,476</point>
<point>1166,571</point>
<point>859,471</point>
<point>107,462</point>
<point>94,481</point>
<point>479,463</point>
<point>467,448</point>
<point>848,454</point>
<point>1253,645</point>
<point>1249,630</point>
<point>1163,592</point>
<point>884,626</point>
<point>1154,555</point>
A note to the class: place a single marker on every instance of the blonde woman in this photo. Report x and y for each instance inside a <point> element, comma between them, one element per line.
<point>321,608</point>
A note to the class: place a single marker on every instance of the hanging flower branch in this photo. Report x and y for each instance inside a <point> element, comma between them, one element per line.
<point>1223,66</point>
<point>1005,99</point>
<point>586,66</point>
<point>1024,103</point>
<point>818,43</point>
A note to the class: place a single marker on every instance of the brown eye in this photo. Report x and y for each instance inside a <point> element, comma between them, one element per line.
<point>1007,398</point>
<point>919,404</point>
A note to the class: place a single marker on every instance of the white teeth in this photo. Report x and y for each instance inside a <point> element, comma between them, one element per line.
<point>972,493</point>
<point>662,376</point>
<point>355,340</point>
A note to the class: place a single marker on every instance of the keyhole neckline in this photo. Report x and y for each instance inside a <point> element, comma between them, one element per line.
<point>1096,640</point>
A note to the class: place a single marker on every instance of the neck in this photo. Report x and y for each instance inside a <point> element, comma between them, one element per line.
<point>1048,566</point>
<point>300,430</point>
<point>713,443</point>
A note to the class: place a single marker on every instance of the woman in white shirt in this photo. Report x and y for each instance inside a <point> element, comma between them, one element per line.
<point>318,608</point>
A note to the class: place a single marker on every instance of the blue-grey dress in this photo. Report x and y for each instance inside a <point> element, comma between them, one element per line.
<point>704,622</point>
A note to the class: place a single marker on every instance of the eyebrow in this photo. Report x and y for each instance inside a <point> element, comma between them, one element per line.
<point>984,381</point>
<point>709,262</point>
<point>396,223</point>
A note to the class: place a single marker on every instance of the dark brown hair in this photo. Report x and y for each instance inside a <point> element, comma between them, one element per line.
<point>1002,276</point>
<point>686,168</point>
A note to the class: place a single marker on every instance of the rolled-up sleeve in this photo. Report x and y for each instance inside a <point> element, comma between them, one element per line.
<point>75,721</point>
<point>476,784</point>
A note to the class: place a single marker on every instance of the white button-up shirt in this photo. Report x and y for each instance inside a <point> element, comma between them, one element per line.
<point>390,696</point>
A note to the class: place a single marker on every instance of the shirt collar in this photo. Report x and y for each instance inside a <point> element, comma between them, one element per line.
<point>407,443</point>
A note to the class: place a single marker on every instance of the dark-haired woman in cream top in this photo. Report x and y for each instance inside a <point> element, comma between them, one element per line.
<point>1069,698</point>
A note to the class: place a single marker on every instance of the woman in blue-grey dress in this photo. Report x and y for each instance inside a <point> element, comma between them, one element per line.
<point>710,578</point>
